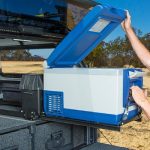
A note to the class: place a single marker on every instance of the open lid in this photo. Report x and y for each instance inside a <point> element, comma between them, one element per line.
<point>90,31</point>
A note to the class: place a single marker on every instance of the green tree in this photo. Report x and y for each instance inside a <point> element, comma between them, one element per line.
<point>117,53</point>
<point>98,57</point>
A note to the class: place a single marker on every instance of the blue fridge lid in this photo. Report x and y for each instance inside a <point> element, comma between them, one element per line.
<point>89,32</point>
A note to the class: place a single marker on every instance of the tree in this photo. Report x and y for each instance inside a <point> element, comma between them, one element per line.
<point>117,53</point>
<point>16,55</point>
<point>97,57</point>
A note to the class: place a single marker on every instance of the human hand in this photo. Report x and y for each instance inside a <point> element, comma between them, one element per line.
<point>138,95</point>
<point>126,24</point>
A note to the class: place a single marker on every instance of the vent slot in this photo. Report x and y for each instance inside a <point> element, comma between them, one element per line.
<point>54,103</point>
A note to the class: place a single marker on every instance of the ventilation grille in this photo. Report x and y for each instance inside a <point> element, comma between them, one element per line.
<point>55,103</point>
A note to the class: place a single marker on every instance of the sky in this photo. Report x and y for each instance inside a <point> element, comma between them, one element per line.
<point>139,11</point>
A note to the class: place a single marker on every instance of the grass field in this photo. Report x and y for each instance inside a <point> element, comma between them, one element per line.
<point>22,67</point>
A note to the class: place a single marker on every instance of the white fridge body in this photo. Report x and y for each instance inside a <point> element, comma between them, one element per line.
<point>95,95</point>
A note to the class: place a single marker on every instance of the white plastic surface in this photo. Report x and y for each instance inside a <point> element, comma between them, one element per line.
<point>94,90</point>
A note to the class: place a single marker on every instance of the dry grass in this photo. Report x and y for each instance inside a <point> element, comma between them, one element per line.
<point>22,67</point>
<point>135,135</point>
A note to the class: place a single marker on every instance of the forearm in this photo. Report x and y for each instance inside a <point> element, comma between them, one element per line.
<point>141,51</point>
<point>146,108</point>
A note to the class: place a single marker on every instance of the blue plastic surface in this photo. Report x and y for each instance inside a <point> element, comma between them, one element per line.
<point>128,83</point>
<point>81,40</point>
<point>94,117</point>
<point>54,102</point>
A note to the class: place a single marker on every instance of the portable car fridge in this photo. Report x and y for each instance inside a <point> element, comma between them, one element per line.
<point>94,95</point>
